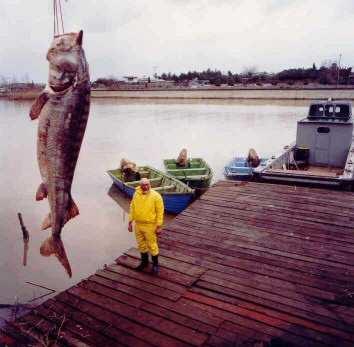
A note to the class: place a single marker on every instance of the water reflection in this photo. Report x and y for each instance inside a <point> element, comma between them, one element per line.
<point>146,131</point>
<point>25,235</point>
<point>120,199</point>
<point>124,203</point>
<point>180,101</point>
<point>25,251</point>
<point>55,246</point>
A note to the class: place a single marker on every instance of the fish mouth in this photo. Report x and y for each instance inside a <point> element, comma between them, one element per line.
<point>61,87</point>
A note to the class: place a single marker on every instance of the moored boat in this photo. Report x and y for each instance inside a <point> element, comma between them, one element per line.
<point>196,173</point>
<point>323,153</point>
<point>240,168</point>
<point>176,195</point>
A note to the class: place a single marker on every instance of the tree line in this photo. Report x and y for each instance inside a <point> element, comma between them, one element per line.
<point>326,75</point>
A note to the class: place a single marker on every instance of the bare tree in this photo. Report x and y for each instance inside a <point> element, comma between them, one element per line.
<point>249,70</point>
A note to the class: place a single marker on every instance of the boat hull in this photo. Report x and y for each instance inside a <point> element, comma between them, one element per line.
<point>238,169</point>
<point>174,202</point>
<point>197,175</point>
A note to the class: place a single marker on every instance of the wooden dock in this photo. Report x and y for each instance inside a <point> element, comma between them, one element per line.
<point>247,264</point>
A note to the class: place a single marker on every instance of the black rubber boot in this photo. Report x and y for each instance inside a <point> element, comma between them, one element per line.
<point>144,262</point>
<point>155,264</point>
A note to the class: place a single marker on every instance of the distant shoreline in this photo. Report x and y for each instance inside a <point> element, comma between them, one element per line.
<point>210,93</point>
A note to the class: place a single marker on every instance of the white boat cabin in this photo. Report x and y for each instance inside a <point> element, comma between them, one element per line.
<point>323,152</point>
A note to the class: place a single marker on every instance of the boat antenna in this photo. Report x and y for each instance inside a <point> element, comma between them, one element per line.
<point>338,68</point>
<point>58,15</point>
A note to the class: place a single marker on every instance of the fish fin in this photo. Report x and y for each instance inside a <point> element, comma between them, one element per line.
<point>47,223</point>
<point>38,105</point>
<point>42,192</point>
<point>73,211</point>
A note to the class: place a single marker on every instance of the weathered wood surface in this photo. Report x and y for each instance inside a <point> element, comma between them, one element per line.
<point>246,264</point>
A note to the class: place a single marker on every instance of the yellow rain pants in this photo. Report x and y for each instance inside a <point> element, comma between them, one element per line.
<point>146,238</point>
<point>147,212</point>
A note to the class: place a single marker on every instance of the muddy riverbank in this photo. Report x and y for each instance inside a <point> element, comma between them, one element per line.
<point>210,94</point>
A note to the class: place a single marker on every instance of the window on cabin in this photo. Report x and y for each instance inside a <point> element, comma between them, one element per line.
<point>329,110</point>
<point>342,111</point>
<point>316,111</point>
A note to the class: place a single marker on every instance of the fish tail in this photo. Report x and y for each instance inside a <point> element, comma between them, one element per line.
<point>42,192</point>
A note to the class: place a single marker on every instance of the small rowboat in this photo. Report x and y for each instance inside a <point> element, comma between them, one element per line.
<point>176,195</point>
<point>196,174</point>
<point>239,168</point>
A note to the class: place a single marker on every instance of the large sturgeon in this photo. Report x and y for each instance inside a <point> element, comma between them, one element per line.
<point>63,109</point>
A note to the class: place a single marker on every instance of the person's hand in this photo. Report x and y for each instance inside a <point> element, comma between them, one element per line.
<point>130,227</point>
<point>158,230</point>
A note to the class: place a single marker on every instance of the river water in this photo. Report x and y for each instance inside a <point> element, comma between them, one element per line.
<point>144,131</point>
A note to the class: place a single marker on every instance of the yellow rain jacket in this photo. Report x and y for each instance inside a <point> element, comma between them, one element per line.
<point>147,212</point>
<point>146,208</point>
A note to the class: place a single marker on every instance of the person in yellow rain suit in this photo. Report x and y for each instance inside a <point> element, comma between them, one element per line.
<point>146,210</point>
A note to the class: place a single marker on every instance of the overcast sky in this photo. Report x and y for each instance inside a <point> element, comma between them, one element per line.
<point>145,36</point>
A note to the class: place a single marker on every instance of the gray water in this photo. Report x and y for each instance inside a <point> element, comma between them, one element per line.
<point>143,131</point>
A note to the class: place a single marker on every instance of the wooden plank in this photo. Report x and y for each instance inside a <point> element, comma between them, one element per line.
<point>232,225</point>
<point>85,321</point>
<point>281,244</point>
<point>320,193</point>
<point>295,196</point>
<point>9,336</point>
<point>273,207</point>
<point>165,308</point>
<point>179,266</point>
<point>106,299</point>
<point>41,330</point>
<point>105,310</point>
<point>278,213</point>
<point>284,288</point>
<point>260,226</point>
<point>247,230</point>
<point>306,258</point>
<point>7,340</point>
<point>247,263</point>
<point>250,323</point>
<point>272,258</point>
<point>327,324</point>
<point>164,273</point>
<point>82,332</point>
<point>143,278</point>
<point>292,275</point>
<point>299,203</point>
<point>147,287</point>
<point>290,218</point>
<point>266,324</point>
<point>233,332</point>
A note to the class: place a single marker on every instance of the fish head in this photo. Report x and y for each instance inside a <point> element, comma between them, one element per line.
<point>65,57</point>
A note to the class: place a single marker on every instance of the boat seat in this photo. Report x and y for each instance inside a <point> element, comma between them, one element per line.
<point>193,178</point>
<point>163,188</point>
<point>144,173</point>
<point>136,183</point>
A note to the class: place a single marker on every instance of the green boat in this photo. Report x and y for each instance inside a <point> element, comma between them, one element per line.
<point>197,174</point>
<point>175,194</point>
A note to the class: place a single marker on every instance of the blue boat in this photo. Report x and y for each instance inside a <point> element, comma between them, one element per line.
<point>176,195</point>
<point>239,168</point>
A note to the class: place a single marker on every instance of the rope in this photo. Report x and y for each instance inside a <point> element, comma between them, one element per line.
<point>61,17</point>
<point>57,11</point>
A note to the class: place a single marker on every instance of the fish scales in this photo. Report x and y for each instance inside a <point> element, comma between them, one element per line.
<point>63,109</point>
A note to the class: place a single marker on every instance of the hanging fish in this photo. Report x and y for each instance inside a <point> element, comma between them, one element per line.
<point>62,109</point>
